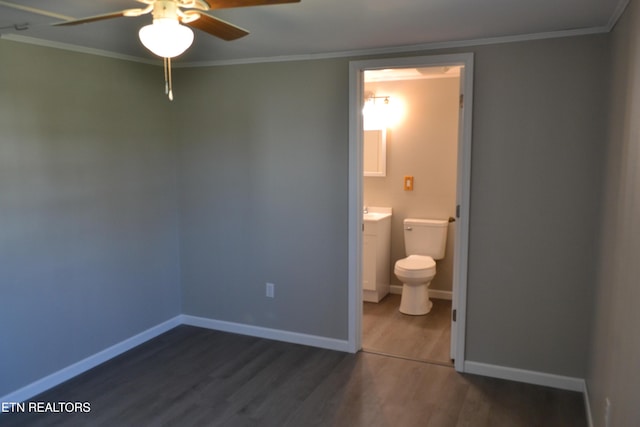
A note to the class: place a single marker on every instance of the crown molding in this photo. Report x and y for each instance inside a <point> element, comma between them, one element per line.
<point>617,13</point>
<point>331,55</point>
<point>400,49</point>
<point>74,48</point>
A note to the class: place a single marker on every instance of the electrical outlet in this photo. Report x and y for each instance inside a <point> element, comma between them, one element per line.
<point>607,412</point>
<point>270,290</point>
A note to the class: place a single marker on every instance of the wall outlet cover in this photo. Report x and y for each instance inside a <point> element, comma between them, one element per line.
<point>270,290</point>
<point>408,183</point>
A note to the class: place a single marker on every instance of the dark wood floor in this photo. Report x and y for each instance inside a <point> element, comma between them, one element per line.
<point>426,338</point>
<point>196,377</point>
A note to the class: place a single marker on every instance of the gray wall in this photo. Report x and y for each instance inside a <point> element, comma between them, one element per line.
<point>88,201</point>
<point>88,218</point>
<point>264,198</point>
<point>538,139</point>
<point>614,371</point>
<point>264,168</point>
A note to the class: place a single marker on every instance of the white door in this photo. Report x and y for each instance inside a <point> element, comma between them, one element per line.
<point>456,279</point>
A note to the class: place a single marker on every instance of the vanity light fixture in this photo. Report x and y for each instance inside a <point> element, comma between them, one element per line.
<point>375,111</point>
<point>373,99</point>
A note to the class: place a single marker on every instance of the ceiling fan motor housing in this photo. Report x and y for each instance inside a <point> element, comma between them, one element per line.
<point>165,10</point>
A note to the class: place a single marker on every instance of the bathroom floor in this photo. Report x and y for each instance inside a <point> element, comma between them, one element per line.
<point>425,338</point>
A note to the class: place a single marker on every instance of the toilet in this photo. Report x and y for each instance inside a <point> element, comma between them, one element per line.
<point>424,242</point>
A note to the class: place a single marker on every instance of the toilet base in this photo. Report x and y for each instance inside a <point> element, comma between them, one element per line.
<point>415,300</point>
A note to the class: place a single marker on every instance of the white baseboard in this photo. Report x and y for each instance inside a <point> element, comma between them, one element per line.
<point>525,376</point>
<point>272,334</point>
<point>52,380</point>
<point>514,374</point>
<point>533,377</point>
<point>90,362</point>
<point>433,293</point>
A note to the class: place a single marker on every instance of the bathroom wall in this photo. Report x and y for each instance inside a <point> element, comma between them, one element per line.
<point>614,371</point>
<point>88,210</point>
<point>422,143</point>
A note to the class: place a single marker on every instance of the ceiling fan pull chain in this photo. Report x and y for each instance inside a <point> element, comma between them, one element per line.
<point>168,89</point>
<point>170,82</point>
<point>166,80</point>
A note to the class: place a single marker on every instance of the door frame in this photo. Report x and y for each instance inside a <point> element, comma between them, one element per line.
<point>463,190</point>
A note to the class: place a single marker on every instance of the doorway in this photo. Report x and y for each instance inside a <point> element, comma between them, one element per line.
<point>463,63</point>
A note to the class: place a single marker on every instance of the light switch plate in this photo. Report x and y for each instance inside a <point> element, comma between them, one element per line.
<point>408,183</point>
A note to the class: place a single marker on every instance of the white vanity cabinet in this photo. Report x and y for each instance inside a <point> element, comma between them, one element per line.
<point>376,255</point>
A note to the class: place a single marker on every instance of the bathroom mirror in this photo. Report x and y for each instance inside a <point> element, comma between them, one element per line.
<point>375,152</point>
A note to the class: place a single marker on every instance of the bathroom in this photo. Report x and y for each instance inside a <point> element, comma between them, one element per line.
<point>413,172</point>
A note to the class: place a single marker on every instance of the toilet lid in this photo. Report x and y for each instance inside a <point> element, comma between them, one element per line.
<point>416,263</point>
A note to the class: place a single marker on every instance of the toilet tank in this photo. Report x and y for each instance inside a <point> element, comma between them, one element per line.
<point>425,237</point>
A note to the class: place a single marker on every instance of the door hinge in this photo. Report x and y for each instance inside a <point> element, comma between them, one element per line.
<point>454,315</point>
<point>457,211</point>
<point>462,100</point>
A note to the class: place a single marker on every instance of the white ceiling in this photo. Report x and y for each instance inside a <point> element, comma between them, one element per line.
<point>317,27</point>
<point>394,74</point>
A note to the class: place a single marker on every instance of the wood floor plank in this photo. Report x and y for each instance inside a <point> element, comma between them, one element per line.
<point>196,377</point>
<point>387,331</point>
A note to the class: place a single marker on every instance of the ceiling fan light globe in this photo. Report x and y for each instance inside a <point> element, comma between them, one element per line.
<point>166,37</point>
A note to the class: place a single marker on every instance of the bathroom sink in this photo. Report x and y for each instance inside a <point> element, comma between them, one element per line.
<point>376,252</point>
<point>375,216</point>
<point>376,213</point>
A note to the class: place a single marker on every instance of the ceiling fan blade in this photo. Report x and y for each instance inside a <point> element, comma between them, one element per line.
<point>217,27</point>
<point>91,19</point>
<point>34,10</point>
<point>227,4</point>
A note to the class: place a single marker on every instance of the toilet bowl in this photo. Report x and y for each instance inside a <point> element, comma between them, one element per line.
<point>415,272</point>
<point>424,242</point>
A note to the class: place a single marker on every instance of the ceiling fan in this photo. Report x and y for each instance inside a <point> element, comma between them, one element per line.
<point>170,33</point>
<point>170,13</point>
